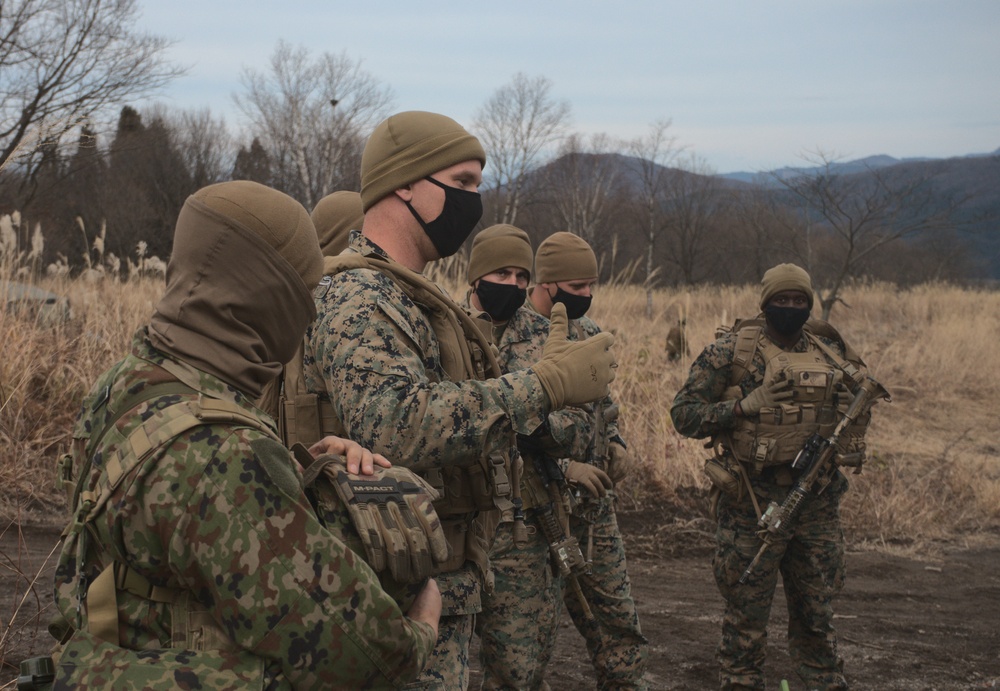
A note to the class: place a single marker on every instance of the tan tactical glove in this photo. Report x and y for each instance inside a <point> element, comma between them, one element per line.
<point>574,372</point>
<point>620,462</point>
<point>590,477</point>
<point>393,513</point>
<point>766,396</point>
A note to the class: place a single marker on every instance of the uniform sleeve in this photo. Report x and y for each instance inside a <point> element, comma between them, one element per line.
<point>249,545</point>
<point>572,431</point>
<point>569,430</point>
<point>698,410</point>
<point>379,362</point>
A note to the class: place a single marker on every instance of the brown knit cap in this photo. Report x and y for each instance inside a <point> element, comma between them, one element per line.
<point>497,247</point>
<point>785,277</point>
<point>273,216</point>
<point>335,216</point>
<point>409,146</point>
<point>564,256</point>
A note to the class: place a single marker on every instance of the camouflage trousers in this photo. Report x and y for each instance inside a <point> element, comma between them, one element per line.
<point>614,639</point>
<point>811,565</point>
<point>448,667</point>
<point>518,623</point>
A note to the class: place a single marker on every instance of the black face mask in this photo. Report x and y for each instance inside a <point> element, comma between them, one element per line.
<point>576,305</point>
<point>462,211</point>
<point>500,300</point>
<point>786,320</point>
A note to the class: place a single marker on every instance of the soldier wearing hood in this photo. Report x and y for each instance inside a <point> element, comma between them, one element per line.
<point>194,557</point>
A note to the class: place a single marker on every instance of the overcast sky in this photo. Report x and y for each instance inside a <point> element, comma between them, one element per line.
<point>748,84</point>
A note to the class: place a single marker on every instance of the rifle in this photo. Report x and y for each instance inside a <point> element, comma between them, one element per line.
<point>564,548</point>
<point>602,417</point>
<point>817,461</point>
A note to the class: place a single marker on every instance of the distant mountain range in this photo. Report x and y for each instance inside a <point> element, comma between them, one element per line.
<point>859,165</point>
<point>975,178</point>
<point>974,175</point>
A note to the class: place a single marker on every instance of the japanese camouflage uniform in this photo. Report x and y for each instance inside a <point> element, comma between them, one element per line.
<point>395,361</point>
<point>617,647</point>
<point>811,559</point>
<point>519,620</point>
<point>195,559</point>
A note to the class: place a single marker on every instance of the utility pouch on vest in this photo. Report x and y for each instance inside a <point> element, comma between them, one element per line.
<point>393,514</point>
<point>723,475</point>
<point>36,674</point>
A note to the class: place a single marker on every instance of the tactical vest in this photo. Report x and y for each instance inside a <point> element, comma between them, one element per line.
<point>193,628</point>
<point>484,489</point>
<point>821,384</point>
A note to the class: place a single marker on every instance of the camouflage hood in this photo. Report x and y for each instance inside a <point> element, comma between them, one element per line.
<point>234,306</point>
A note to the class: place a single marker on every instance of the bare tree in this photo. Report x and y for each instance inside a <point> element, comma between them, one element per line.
<point>63,62</point>
<point>763,231</point>
<point>653,153</point>
<point>693,203</point>
<point>516,125</point>
<point>864,212</point>
<point>204,143</point>
<point>581,181</point>
<point>312,117</point>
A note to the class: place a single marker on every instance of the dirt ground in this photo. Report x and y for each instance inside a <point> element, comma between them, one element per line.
<point>915,621</point>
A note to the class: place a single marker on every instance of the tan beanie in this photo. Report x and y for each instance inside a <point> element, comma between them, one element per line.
<point>276,218</point>
<point>785,277</point>
<point>564,257</point>
<point>335,216</point>
<point>497,247</point>
<point>409,146</point>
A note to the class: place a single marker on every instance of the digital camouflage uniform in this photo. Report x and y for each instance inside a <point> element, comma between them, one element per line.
<point>617,647</point>
<point>373,353</point>
<point>810,561</point>
<point>518,624</point>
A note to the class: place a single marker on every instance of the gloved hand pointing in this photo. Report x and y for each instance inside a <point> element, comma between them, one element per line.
<point>574,372</point>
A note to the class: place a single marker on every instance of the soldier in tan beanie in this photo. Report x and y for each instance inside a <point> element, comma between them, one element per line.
<point>402,368</point>
<point>519,620</point>
<point>498,274</point>
<point>566,272</point>
<point>759,392</point>
<point>335,216</point>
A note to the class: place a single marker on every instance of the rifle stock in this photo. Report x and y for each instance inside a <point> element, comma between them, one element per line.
<point>564,548</point>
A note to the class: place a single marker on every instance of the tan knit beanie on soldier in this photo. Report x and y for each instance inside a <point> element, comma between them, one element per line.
<point>564,257</point>
<point>497,247</point>
<point>785,277</point>
<point>274,217</point>
<point>335,216</point>
<point>409,146</point>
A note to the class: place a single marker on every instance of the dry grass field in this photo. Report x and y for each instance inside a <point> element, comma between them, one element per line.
<point>932,479</point>
<point>932,473</point>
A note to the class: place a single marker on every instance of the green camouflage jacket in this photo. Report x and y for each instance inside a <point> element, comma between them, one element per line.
<point>219,512</point>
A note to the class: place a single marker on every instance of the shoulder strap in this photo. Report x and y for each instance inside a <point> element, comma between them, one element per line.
<point>747,339</point>
<point>193,410</point>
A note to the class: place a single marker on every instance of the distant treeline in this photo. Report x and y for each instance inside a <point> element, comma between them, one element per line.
<point>648,222</point>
